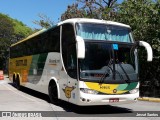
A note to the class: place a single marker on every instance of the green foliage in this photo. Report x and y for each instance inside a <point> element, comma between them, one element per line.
<point>144,18</point>
<point>21,30</point>
<point>99,9</point>
<point>11,30</point>
<point>44,21</point>
<point>6,26</point>
<point>73,12</point>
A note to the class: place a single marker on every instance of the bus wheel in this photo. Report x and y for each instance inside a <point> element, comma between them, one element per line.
<point>14,80</point>
<point>17,83</point>
<point>53,93</point>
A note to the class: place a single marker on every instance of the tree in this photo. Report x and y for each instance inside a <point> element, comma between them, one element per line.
<point>6,33</point>
<point>11,30</point>
<point>20,30</point>
<point>144,18</point>
<point>100,9</point>
<point>44,22</point>
<point>73,12</point>
<point>6,29</point>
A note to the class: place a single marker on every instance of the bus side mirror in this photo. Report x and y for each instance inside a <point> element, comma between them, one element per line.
<point>148,48</point>
<point>80,47</point>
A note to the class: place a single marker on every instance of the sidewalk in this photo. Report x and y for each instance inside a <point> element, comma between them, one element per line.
<point>150,99</point>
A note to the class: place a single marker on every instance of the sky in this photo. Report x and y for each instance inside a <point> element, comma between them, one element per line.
<point>27,10</point>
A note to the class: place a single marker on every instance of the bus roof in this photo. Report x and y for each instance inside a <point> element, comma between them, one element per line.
<point>87,20</point>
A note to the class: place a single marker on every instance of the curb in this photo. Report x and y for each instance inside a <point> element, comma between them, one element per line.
<point>149,99</point>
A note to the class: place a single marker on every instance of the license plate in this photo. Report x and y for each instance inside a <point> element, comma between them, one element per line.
<point>111,100</point>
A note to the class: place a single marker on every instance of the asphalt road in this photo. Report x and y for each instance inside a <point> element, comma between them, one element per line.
<point>27,104</point>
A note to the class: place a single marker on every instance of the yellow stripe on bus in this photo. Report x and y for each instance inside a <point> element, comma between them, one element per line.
<point>105,88</point>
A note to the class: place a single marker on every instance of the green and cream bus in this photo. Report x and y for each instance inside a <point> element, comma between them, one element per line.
<point>81,61</point>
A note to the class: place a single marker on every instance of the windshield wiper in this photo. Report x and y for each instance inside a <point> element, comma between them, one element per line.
<point>106,74</point>
<point>128,79</point>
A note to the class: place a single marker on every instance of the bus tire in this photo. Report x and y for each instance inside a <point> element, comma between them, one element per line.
<point>53,93</point>
<point>14,80</point>
<point>17,83</point>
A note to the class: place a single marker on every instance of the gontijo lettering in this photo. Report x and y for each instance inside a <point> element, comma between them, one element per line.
<point>21,62</point>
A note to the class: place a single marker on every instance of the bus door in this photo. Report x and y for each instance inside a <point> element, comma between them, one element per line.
<point>70,62</point>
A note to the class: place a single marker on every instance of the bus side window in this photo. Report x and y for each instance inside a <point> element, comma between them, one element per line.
<point>52,40</point>
<point>69,50</point>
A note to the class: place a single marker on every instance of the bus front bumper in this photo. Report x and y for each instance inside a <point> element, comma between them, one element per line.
<point>92,99</point>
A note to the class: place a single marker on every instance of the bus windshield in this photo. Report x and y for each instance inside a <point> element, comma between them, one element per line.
<point>90,31</point>
<point>98,63</point>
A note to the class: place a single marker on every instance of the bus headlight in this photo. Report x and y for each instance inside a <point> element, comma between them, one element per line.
<point>134,91</point>
<point>88,91</point>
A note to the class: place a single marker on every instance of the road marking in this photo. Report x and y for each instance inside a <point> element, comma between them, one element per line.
<point>19,94</point>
